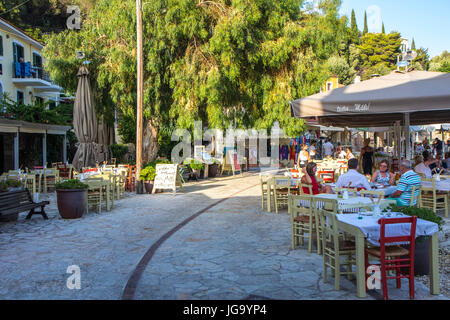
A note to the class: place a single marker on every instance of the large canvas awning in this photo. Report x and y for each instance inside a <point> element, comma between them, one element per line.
<point>381,101</point>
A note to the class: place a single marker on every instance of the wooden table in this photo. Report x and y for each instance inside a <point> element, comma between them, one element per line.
<point>360,264</point>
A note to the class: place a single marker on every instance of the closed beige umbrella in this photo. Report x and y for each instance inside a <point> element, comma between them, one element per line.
<point>85,123</point>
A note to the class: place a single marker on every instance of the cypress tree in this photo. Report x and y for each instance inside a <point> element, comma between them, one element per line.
<point>383,31</point>
<point>366,28</point>
<point>413,45</point>
<point>354,25</point>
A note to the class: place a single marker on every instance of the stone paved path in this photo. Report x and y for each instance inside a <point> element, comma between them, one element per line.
<point>232,251</point>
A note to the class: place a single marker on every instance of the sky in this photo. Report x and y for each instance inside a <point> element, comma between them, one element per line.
<point>428,22</point>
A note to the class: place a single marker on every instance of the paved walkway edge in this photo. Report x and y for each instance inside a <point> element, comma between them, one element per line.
<point>130,288</point>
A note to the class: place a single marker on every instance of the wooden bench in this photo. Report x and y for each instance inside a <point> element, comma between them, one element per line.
<point>19,201</point>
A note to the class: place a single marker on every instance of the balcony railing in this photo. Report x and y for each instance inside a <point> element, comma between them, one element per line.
<point>26,70</point>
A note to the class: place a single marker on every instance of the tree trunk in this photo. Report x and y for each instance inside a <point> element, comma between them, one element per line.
<point>150,145</point>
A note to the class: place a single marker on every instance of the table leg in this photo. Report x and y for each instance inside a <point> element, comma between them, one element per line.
<point>108,204</point>
<point>434,265</point>
<point>269,188</point>
<point>360,266</point>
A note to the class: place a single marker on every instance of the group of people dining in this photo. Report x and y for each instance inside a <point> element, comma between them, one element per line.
<point>354,179</point>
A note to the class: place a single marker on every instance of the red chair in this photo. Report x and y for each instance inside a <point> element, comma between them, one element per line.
<point>90,170</point>
<point>326,176</point>
<point>395,254</point>
<point>38,167</point>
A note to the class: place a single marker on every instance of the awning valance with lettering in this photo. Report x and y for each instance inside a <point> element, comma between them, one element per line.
<point>381,101</point>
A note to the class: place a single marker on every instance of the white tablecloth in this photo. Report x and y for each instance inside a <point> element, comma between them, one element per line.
<point>341,202</point>
<point>371,229</point>
<point>443,185</point>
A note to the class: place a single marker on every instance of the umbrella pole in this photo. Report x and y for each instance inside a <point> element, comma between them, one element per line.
<point>407,137</point>
<point>140,93</point>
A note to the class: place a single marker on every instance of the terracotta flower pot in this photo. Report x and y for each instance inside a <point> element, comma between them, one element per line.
<point>71,202</point>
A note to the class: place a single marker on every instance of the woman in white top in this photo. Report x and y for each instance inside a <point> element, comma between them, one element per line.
<point>303,157</point>
<point>312,151</point>
<point>349,155</point>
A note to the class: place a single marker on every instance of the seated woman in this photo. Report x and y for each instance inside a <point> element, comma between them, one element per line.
<point>383,176</point>
<point>349,155</point>
<point>422,166</point>
<point>309,178</point>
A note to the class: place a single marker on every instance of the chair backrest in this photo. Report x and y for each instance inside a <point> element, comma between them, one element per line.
<point>352,192</point>
<point>308,187</point>
<point>302,204</point>
<point>391,239</point>
<point>379,195</point>
<point>327,175</point>
<point>413,196</point>
<point>326,204</point>
<point>329,226</point>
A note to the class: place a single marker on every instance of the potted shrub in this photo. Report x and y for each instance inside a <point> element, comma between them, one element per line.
<point>196,167</point>
<point>71,196</point>
<point>213,168</point>
<point>10,185</point>
<point>422,246</point>
<point>148,176</point>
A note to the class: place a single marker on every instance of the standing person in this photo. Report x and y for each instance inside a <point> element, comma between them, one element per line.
<point>419,148</point>
<point>367,157</point>
<point>437,146</point>
<point>312,150</point>
<point>408,180</point>
<point>303,157</point>
<point>328,148</point>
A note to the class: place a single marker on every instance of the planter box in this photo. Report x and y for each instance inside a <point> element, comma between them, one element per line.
<point>422,256</point>
<point>213,170</point>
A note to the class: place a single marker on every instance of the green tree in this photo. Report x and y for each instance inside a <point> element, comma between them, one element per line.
<point>379,49</point>
<point>422,61</point>
<point>413,45</point>
<point>223,62</point>
<point>438,62</point>
<point>383,31</point>
<point>354,31</point>
<point>339,67</point>
<point>366,28</point>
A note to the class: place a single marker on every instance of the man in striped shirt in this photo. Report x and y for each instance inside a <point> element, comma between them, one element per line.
<point>408,180</point>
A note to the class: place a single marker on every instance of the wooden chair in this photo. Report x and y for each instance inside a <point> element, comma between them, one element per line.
<point>281,190</point>
<point>432,199</point>
<point>50,176</point>
<point>378,195</point>
<point>390,256</point>
<point>265,188</point>
<point>303,221</point>
<point>326,176</point>
<point>334,246</point>
<point>306,186</point>
<point>95,191</point>
<point>30,183</point>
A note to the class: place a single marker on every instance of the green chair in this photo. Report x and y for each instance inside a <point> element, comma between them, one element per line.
<point>281,190</point>
<point>303,221</point>
<point>334,247</point>
<point>432,199</point>
<point>95,191</point>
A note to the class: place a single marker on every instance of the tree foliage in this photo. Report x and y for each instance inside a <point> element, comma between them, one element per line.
<point>441,63</point>
<point>339,66</point>
<point>223,62</point>
<point>378,53</point>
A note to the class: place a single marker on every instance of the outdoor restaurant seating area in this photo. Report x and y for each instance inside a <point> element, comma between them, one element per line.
<point>356,224</point>
<point>106,183</point>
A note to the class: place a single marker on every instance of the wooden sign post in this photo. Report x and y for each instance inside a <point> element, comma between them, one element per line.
<point>167,177</point>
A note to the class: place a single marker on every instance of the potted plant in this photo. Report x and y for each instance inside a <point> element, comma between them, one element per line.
<point>71,196</point>
<point>196,167</point>
<point>422,246</point>
<point>10,185</point>
<point>148,176</point>
<point>213,168</point>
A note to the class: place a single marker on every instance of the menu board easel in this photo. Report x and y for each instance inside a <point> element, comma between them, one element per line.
<point>167,177</point>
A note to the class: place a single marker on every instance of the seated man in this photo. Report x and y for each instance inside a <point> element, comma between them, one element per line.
<point>353,179</point>
<point>408,180</point>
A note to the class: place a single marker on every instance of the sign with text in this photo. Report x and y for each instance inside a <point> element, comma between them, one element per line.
<point>167,177</point>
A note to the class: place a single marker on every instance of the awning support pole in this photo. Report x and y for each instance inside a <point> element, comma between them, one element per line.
<point>407,136</point>
<point>44,150</point>
<point>16,151</point>
<point>65,148</point>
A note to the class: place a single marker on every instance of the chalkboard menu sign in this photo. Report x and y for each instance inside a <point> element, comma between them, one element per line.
<point>167,177</point>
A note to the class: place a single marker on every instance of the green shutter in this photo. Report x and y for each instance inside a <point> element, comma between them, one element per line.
<point>1,45</point>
